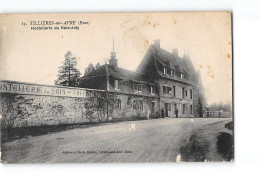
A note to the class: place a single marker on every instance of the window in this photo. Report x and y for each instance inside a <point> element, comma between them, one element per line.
<point>186,93</point>
<point>190,94</point>
<point>134,104</point>
<point>166,89</point>
<point>153,107</point>
<point>173,91</point>
<point>152,90</point>
<point>182,92</point>
<point>137,87</point>
<point>116,85</point>
<point>168,71</point>
<point>138,105</point>
<point>164,70</point>
<point>169,89</point>
<point>183,109</point>
<point>181,75</point>
<point>172,72</point>
<point>141,105</point>
<point>118,104</point>
<point>191,109</point>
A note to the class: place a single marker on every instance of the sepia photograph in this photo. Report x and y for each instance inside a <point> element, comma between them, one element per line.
<point>132,87</point>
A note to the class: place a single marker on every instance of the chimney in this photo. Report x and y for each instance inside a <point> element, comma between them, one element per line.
<point>157,43</point>
<point>113,60</point>
<point>175,52</point>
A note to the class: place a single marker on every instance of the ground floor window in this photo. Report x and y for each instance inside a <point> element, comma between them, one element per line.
<point>134,104</point>
<point>183,109</point>
<point>141,105</point>
<point>153,107</point>
<point>191,109</point>
<point>138,105</point>
<point>118,104</point>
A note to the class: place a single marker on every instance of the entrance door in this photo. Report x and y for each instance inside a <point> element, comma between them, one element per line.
<point>173,109</point>
<point>167,110</point>
<point>153,107</point>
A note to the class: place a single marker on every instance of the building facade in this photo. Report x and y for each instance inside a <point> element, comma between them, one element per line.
<point>163,85</point>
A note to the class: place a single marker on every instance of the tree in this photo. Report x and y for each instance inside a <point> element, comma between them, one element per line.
<point>97,65</point>
<point>68,74</point>
<point>89,69</point>
<point>220,107</point>
<point>201,105</point>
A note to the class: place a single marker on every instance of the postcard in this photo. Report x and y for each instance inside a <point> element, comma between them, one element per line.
<point>116,87</point>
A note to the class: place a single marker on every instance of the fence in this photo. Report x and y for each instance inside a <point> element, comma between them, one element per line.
<point>217,114</point>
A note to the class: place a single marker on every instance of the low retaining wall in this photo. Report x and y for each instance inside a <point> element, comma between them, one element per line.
<point>24,104</point>
<point>218,114</point>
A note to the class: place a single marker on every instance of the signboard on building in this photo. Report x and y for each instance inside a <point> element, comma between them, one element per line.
<point>27,88</point>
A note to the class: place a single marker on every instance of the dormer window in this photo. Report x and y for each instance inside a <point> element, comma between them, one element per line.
<point>152,90</point>
<point>168,71</point>
<point>172,72</point>
<point>182,76</point>
<point>116,85</point>
<point>138,88</point>
<point>164,70</point>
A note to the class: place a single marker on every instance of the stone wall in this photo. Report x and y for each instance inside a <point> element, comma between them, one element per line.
<point>20,110</point>
<point>24,104</point>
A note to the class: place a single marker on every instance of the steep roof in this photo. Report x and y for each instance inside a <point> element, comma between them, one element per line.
<point>120,73</point>
<point>174,62</point>
<point>169,60</point>
<point>134,76</point>
<point>101,71</point>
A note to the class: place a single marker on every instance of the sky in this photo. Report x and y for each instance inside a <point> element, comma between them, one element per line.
<point>34,55</point>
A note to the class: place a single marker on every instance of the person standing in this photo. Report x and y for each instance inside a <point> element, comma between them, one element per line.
<point>162,113</point>
<point>176,112</point>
